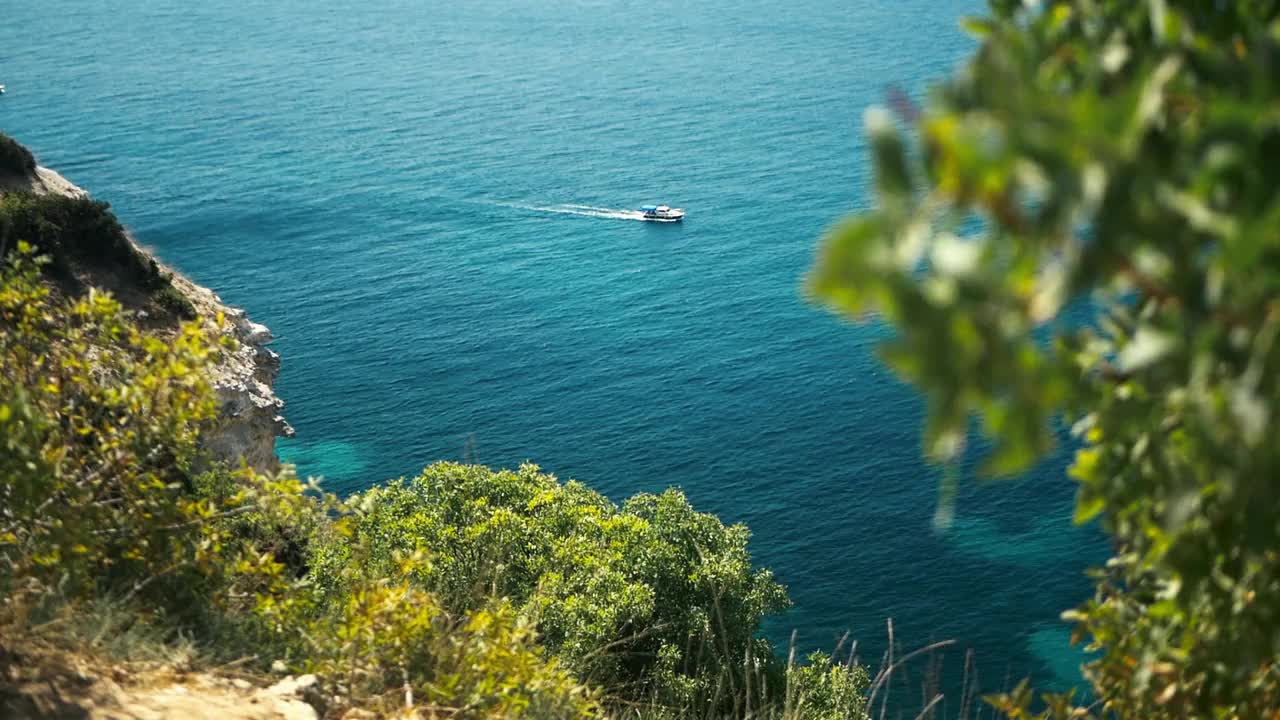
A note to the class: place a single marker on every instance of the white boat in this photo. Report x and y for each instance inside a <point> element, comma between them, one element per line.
<point>1,89</point>
<point>662,213</point>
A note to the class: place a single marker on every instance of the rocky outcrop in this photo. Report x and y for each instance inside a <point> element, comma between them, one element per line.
<point>250,417</point>
<point>250,413</point>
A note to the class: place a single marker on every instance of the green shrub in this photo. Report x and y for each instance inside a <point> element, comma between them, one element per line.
<point>824,689</point>
<point>14,158</point>
<point>87,246</point>
<point>384,643</point>
<point>100,424</point>
<point>173,302</point>
<point>75,232</point>
<point>614,590</point>
<point>1121,157</point>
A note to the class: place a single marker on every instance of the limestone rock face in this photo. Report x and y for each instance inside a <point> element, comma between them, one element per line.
<point>250,413</point>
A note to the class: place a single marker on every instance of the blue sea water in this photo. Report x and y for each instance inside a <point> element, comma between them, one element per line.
<point>426,202</point>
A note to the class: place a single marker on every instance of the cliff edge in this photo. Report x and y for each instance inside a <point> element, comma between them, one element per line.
<point>250,411</point>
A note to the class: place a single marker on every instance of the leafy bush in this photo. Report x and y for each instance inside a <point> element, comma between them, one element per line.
<point>616,592</point>
<point>14,158</point>
<point>99,425</point>
<point>172,301</point>
<point>385,643</point>
<point>826,690</point>
<point>73,232</point>
<point>1120,156</point>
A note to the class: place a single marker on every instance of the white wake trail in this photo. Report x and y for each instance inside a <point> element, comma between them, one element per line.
<point>581,210</point>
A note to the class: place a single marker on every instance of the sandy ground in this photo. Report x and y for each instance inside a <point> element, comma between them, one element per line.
<point>57,687</point>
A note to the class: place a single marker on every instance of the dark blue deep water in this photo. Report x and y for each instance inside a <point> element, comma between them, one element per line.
<point>403,192</point>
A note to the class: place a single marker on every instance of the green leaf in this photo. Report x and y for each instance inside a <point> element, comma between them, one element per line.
<point>1088,508</point>
<point>978,27</point>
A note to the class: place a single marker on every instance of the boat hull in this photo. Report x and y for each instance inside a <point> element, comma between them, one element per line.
<point>661,213</point>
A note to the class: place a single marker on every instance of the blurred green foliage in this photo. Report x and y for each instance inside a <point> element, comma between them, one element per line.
<point>1121,160</point>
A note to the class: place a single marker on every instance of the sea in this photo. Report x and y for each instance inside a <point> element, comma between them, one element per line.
<point>432,205</point>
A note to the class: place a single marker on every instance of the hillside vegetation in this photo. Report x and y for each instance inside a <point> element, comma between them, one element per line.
<point>83,243</point>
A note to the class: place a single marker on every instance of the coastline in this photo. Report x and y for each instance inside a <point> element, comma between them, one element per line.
<point>251,414</point>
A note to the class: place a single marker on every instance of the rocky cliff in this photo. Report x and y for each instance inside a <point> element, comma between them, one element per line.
<point>250,411</point>
<point>251,417</point>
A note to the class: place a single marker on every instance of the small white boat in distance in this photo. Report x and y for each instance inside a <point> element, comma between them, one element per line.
<point>1,89</point>
<point>661,213</point>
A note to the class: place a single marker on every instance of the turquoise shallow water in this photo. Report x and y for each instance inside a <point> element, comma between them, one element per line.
<point>404,193</point>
